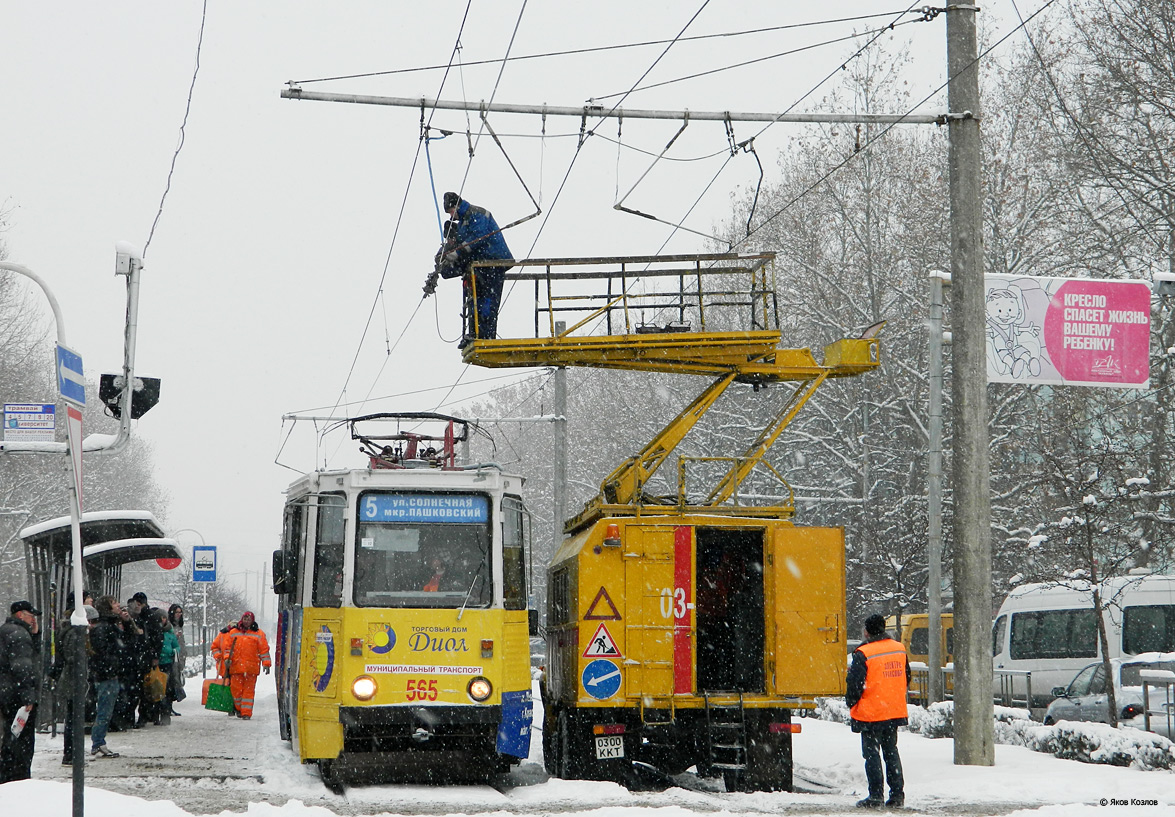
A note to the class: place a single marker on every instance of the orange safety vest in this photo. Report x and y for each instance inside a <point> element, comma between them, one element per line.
<point>884,698</point>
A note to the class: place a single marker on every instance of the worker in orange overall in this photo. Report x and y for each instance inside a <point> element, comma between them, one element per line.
<point>241,654</point>
<point>878,678</point>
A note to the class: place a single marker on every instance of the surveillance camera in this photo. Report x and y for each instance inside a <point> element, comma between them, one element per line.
<point>126,256</point>
<point>1164,284</point>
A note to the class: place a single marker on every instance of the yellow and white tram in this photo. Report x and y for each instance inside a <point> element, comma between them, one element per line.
<point>403,635</point>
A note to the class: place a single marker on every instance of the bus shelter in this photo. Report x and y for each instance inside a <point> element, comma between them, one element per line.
<point>110,539</point>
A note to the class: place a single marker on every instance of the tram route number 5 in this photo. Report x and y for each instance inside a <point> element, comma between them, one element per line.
<point>422,690</point>
<point>673,604</point>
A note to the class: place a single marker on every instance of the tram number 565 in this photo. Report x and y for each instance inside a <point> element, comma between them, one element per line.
<point>422,690</point>
<point>673,603</point>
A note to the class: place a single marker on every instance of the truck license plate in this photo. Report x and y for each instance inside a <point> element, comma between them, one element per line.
<point>609,747</point>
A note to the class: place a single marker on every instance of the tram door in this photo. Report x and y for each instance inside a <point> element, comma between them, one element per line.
<point>730,624</point>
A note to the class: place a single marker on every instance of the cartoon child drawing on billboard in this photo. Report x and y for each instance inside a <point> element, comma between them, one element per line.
<point>1013,344</point>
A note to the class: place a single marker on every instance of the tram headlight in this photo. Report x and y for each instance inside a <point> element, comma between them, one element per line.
<point>480,689</point>
<point>364,687</point>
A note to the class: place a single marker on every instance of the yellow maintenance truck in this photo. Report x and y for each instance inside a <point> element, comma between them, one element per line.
<point>685,629</point>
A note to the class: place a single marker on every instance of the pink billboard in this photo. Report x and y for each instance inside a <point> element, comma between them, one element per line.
<point>1068,331</point>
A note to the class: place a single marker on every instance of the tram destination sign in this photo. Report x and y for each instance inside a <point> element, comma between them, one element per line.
<point>30,422</point>
<point>459,508</point>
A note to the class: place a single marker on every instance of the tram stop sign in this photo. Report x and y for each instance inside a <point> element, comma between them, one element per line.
<point>204,563</point>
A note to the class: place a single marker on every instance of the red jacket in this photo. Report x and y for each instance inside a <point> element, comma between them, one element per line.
<point>244,651</point>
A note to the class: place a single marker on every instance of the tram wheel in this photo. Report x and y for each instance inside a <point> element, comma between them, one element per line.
<point>330,776</point>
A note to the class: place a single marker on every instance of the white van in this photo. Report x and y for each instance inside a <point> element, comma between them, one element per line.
<point>1050,630</point>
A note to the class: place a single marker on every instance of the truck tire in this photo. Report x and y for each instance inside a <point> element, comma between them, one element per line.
<point>571,756</point>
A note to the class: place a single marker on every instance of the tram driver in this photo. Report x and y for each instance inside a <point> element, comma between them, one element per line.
<point>436,568</point>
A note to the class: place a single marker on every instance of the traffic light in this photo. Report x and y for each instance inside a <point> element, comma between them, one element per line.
<point>145,395</point>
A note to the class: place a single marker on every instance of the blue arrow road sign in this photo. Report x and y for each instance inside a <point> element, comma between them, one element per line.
<point>601,679</point>
<point>70,381</point>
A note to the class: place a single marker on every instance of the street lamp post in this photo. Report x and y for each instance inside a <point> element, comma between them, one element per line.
<point>128,262</point>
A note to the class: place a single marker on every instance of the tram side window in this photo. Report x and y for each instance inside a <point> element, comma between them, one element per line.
<point>328,551</point>
<point>513,554</point>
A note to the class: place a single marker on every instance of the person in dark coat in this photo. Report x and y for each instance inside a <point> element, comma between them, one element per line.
<point>876,686</point>
<point>471,234</point>
<point>20,687</point>
<point>108,645</point>
<point>150,624</point>
<point>64,669</point>
<point>133,666</point>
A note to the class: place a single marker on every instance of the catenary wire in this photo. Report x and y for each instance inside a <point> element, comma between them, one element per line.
<point>183,129</point>
<point>391,246</point>
<point>884,131</point>
<point>757,60</point>
<point>597,49</point>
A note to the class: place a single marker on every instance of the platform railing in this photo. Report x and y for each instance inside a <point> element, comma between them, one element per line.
<point>626,295</point>
<point>1163,709</point>
<point>1005,691</point>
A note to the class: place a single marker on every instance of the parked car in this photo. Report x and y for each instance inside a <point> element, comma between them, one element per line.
<point>1085,698</point>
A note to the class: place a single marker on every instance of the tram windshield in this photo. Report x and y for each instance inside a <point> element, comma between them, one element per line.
<point>423,550</point>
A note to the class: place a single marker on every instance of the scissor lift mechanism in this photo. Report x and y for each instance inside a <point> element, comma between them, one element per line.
<point>677,314</point>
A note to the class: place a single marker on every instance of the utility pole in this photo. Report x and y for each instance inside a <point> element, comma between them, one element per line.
<point>974,727</point>
<point>938,279</point>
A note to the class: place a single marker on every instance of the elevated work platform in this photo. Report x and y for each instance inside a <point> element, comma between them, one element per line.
<point>710,314</point>
<point>715,315</point>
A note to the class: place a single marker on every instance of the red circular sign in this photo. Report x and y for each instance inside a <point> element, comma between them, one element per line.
<point>169,562</point>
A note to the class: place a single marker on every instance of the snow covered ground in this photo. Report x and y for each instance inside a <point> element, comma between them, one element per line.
<point>207,763</point>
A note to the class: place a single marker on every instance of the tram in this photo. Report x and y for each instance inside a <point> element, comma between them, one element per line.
<point>403,646</point>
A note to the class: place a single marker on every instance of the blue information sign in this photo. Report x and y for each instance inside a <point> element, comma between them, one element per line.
<point>461,508</point>
<point>70,380</point>
<point>601,679</point>
<point>204,563</point>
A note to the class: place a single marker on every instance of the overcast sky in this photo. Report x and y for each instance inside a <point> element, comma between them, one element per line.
<point>284,217</point>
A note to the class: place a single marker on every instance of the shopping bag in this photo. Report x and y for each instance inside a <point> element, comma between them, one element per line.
<point>175,687</point>
<point>155,685</point>
<point>220,697</point>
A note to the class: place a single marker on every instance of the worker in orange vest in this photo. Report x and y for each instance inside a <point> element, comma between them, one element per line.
<point>879,676</point>
<point>243,652</point>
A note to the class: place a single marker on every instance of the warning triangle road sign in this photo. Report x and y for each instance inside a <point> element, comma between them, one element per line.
<point>602,645</point>
<point>593,615</point>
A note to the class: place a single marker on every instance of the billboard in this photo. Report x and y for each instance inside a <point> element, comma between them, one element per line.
<point>1068,331</point>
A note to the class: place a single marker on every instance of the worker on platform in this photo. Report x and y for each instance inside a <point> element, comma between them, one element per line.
<point>878,678</point>
<point>241,654</point>
<point>471,234</point>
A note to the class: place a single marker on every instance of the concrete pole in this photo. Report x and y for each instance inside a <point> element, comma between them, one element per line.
<point>938,279</point>
<point>974,728</point>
